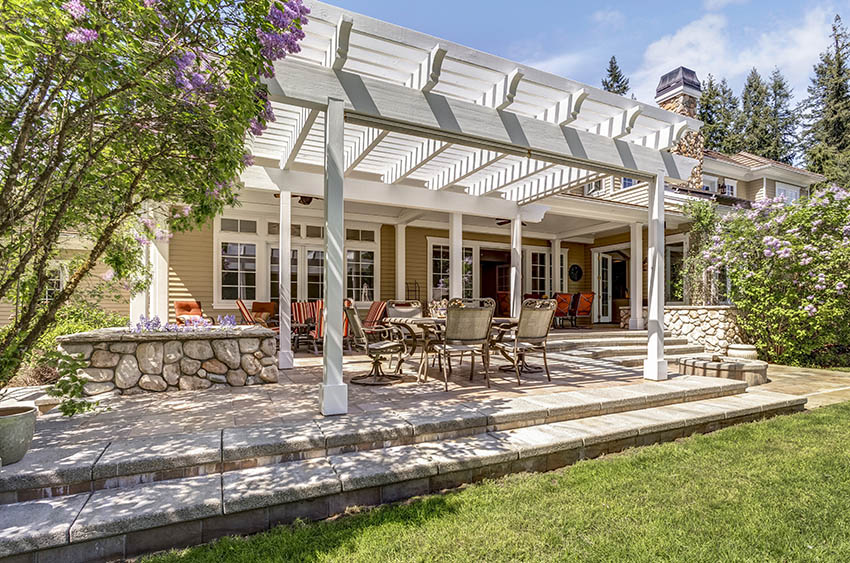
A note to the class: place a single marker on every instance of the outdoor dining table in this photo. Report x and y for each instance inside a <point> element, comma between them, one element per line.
<point>429,332</point>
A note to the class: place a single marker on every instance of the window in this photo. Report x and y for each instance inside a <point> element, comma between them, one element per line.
<point>360,275</point>
<point>238,226</point>
<point>790,193</point>
<point>55,283</point>
<point>315,231</point>
<point>274,275</point>
<point>274,228</point>
<point>468,263</point>
<point>538,272</point>
<point>360,234</point>
<point>627,182</point>
<point>315,274</point>
<point>709,184</point>
<point>729,188</point>
<point>238,270</point>
<point>440,271</point>
<point>593,187</point>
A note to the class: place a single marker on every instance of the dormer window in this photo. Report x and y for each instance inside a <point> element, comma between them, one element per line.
<point>628,182</point>
<point>593,187</point>
<point>709,184</point>
<point>790,193</point>
<point>729,188</point>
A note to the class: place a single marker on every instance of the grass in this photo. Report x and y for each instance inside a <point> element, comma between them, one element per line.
<point>777,490</point>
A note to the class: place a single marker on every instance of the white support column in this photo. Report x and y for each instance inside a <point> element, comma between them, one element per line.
<point>400,261</point>
<point>333,393</point>
<point>556,267</point>
<point>455,255</point>
<point>636,321</point>
<point>159,280</point>
<point>655,366</point>
<point>284,288</point>
<point>516,265</point>
<point>139,301</point>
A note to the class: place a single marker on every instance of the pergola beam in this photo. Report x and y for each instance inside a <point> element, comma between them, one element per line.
<point>589,230</point>
<point>561,179</point>
<point>517,172</point>
<point>305,122</point>
<point>567,110</point>
<point>462,169</point>
<point>365,144</point>
<point>619,125</point>
<point>412,162</point>
<point>502,94</point>
<point>665,138</point>
<point>393,107</point>
<point>338,52</point>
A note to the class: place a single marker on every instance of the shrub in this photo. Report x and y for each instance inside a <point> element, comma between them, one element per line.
<point>75,317</point>
<point>789,268</point>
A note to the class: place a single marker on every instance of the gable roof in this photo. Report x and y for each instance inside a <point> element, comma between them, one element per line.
<point>754,161</point>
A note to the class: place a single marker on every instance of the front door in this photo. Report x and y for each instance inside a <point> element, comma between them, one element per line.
<point>603,288</point>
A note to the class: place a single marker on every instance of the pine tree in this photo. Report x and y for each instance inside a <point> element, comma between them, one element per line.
<point>718,110</point>
<point>754,119</point>
<point>826,137</point>
<point>615,81</point>
<point>783,121</point>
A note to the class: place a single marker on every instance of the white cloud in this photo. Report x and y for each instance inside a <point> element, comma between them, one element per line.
<point>709,45</point>
<point>610,18</point>
<point>565,64</point>
<point>720,4</point>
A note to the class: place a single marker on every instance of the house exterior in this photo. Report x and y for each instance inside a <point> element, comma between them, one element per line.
<point>403,166</point>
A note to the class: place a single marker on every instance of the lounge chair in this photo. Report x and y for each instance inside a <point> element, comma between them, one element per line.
<point>189,311</point>
<point>529,335</point>
<point>563,309</point>
<point>582,308</point>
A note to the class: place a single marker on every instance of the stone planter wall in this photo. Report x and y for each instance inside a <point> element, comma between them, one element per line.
<point>712,326</point>
<point>126,363</point>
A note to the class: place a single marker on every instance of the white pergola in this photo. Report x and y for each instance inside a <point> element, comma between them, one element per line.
<point>373,112</point>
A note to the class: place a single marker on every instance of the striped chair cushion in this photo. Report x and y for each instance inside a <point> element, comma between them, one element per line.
<point>376,313</point>
<point>301,311</point>
<point>247,317</point>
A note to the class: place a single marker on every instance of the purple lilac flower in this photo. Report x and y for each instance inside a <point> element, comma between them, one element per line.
<point>840,287</point>
<point>75,9</point>
<point>784,253</point>
<point>141,239</point>
<point>768,253</point>
<point>810,309</point>
<point>108,275</point>
<point>150,3</point>
<point>255,127</point>
<point>248,159</point>
<point>80,35</point>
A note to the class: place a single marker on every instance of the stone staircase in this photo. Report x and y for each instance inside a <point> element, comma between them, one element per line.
<point>96,501</point>
<point>624,348</point>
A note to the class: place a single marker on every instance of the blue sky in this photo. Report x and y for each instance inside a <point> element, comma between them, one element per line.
<point>576,39</point>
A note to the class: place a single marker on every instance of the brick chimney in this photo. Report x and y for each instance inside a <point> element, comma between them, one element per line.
<point>679,91</point>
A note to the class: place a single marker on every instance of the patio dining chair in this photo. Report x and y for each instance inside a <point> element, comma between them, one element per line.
<point>504,298</point>
<point>529,335</point>
<point>582,308</point>
<point>563,308</point>
<point>316,335</point>
<point>376,314</point>
<point>377,343</point>
<point>467,330</point>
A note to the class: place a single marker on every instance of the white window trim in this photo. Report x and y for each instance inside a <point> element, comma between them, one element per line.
<point>789,188</point>
<point>733,184</point>
<point>265,242</point>
<point>711,181</point>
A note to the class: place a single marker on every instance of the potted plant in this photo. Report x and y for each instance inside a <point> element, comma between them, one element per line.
<point>17,426</point>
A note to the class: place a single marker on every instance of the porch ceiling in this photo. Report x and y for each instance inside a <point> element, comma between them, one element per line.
<point>454,118</point>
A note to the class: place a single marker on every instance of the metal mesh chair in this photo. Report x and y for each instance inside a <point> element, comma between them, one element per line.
<point>376,342</point>
<point>467,330</point>
<point>529,335</point>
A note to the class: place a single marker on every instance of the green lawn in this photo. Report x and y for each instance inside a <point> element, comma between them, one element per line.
<point>777,490</point>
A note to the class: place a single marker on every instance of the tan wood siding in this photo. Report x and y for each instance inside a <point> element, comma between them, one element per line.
<point>387,262</point>
<point>191,269</point>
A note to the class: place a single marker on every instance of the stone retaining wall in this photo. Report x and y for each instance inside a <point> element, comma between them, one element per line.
<point>126,363</point>
<point>714,327</point>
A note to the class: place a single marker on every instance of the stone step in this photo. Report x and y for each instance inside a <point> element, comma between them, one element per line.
<point>606,352</point>
<point>583,344</point>
<point>50,471</point>
<point>637,360</point>
<point>579,334</point>
<point>123,523</point>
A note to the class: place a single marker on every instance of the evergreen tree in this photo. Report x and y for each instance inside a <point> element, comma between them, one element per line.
<point>615,81</point>
<point>718,110</point>
<point>754,119</point>
<point>826,137</point>
<point>783,121</point>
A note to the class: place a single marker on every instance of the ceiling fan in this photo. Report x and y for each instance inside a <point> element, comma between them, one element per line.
<point>302,199</point>
<point>502,222</point>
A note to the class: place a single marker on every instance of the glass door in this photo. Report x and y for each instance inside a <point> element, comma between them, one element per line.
<point>315,276</point>
<point>604,288</point>
<point>274,274</point>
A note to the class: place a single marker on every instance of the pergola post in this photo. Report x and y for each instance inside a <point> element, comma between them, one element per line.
<point>333,393</point>
<point>655,366</point>
<point>516,265</point>
<point>400,261</point>
<point>636,283</point>
<point>556,267</point>
<point>284,287</point>
<point>455,255</point>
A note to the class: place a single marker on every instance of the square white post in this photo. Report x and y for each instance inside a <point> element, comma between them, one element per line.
<point>333,393</point>
<point>400,261</point>
<point>139,301</point>
<point>284,287</point>
<point>655,366</point>
<point>159,251</point>
<point>516,265</point>
<point>455,255</point>
<point>556,267</point>
<point>636,321</point>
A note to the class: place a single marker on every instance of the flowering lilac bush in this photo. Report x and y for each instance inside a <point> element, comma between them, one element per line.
<point>123,121</point>
<point>789,268</point>
<point>154,324</point>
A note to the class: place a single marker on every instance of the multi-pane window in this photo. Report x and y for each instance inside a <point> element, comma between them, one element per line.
<point>593,187</point>
<point>238,270</point>
<point>627,182</point>
<point>238,226</point>
<point>360,275</point>
<point>366,235</point>
<point>709,183</point>
<point>790,193</point>
<point>439,271</point>
<point>315,275</point>
<point>54,284</point>
<point>468,263</point>
<point>538,272</point>
<point>315,231</point>
<point>274,275</point>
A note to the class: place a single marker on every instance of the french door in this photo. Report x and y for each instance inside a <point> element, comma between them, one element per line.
<point>603,288</point>
<point>307,271</point>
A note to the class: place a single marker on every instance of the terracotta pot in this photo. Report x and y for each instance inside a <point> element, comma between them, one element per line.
<point>17,426</point>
